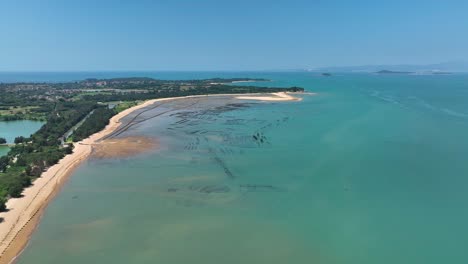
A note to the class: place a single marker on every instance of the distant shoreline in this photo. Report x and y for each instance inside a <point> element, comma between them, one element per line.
<point>277,97</point>
<point>243,81</point>
<point>23,214</point>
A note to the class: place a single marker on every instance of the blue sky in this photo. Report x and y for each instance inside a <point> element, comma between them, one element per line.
<point>227,35</point>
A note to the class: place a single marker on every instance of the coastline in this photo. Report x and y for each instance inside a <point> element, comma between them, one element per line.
<point>281,96</point>
<point>23,214</point>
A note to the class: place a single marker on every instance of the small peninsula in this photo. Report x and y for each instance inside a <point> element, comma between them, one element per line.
<point>393,72</point>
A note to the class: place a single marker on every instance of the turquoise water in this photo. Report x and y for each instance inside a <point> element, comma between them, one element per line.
<point>4,150</point>
<point>11,129</point>
<point>372,169</point>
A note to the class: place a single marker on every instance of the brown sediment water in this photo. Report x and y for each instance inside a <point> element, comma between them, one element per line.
<point>123,147</point>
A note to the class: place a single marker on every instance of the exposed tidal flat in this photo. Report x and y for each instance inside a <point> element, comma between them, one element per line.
<point>372,169</point>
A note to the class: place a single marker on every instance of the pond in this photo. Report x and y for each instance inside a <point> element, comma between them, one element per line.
<point>11,129</point>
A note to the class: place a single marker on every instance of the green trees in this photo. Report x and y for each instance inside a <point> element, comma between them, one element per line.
<point>19,139</point>
<point>31,156</point>
<point>3,201</point>
<point>3,140</point>
<point>176,90</point>
<point>95,122</point>
<point>35,170</point>
<point>68,149</point>
<point>3,163</point>
<point>12,183</point>
<point>15,188</point>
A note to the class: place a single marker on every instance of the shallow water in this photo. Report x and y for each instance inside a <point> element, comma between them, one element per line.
<point>372,169</point>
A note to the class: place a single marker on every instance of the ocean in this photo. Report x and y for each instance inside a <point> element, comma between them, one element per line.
<point>370,169</point>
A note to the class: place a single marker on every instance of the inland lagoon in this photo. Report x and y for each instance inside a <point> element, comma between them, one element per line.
<point>9,130</point>
<point>12,129</point>
<point>369,169</point>
<point>4,150</point>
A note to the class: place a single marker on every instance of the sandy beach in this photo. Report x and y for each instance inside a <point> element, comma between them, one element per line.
<point>23,214</point>
<point>282,96</point>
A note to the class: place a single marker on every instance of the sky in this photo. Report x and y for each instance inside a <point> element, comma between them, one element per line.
<point>206,35</point>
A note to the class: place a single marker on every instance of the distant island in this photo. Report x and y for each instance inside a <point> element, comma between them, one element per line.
<point>393,72</point>
<point>151,81</point>
<point>434,72</point>
<point>326,74</point>
<point>237,80</point>
<point>440,73</point>
<point>450,66</point>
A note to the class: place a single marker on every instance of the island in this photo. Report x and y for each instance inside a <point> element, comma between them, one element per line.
<point>393,72</point>
<point>431,72</point>
<point>441,73</point>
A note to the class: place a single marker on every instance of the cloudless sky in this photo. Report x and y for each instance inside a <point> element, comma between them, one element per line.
<point>48,35</point>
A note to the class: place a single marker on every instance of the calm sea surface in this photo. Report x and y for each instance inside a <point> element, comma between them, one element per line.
<point>372,169</point>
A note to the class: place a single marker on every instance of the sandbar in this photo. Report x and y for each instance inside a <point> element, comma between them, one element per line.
<point>23,214</point>
<point>281,96</point>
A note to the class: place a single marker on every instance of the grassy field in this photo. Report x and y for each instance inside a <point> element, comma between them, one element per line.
<point>125,105</point>
<point>26,112</point>
<point>80,95</point>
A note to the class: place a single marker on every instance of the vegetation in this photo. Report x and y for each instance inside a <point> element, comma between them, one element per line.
<point>95,123</point>
<point>85,105</point>
<point>31,156</point>
<point>125,105</point>
<point>11,113</point>
<point>3,163</point>
<point>393,72</point>
<point>19,140</point>
<point>3,140</point>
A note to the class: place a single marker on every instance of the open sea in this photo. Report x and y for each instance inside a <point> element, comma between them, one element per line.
<point>371,169</point>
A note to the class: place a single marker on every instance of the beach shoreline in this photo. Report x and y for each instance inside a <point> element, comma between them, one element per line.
<point>281,96</point>
<point>23,214</point>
